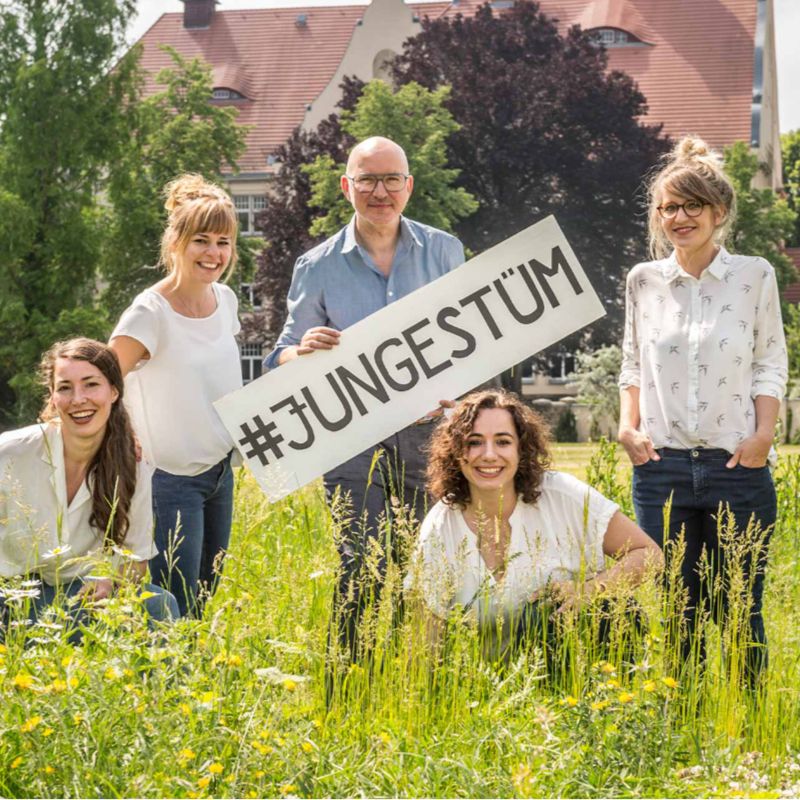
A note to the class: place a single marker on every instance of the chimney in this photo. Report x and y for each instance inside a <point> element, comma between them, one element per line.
<point>198,13</point>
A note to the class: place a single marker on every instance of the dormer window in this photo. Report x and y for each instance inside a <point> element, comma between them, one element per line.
<point>227,94</point>
<point>615,37</point>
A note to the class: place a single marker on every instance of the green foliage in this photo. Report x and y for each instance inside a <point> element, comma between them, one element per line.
<point>791,327</point>
<point>62,84</point>
<point>418,121</point>
<point>566,429</point>
<point>790,150</point>
<point>763,220</point>
<point>174,131</point>
<point>596,375</point>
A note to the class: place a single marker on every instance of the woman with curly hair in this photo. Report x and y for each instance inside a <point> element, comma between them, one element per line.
<point>507,532</point>
<point>72,494</point>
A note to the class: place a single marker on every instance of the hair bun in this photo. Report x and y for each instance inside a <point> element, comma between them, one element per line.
<point>691,148</point>
<point>189,187</point>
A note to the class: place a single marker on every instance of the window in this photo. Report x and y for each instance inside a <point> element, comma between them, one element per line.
<point>227,94</point>
<point>251,358</point>
<point>247,208</point>
<point>248,294</point>
<point>615,37</point>
<point>560,366</point>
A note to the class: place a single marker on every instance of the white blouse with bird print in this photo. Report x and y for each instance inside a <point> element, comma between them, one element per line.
<point>701,350</point>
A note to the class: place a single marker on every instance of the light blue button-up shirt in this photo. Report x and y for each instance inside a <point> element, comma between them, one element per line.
<point>337,283</point>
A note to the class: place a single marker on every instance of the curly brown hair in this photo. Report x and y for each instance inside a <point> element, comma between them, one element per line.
<point>446,481</point>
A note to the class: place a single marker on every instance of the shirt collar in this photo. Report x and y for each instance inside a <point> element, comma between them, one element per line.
<point>671,269</point>
<point>408,235</point>
<point>53,456</point>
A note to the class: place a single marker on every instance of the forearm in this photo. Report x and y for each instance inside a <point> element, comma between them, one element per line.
<point>767,409</point>
<point>288,353</point>
<point>627,572</point>
<point>131,571</point>
<point>629,416</point>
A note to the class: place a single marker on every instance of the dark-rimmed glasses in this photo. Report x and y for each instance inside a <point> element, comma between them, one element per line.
<point>392,182</point>
<point>692,208</point>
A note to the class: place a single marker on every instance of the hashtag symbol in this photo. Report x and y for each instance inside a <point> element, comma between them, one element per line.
<point>261,439</point>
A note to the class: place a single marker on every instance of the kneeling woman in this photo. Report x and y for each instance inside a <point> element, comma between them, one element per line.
<point>71,491</point>
<point>507,533</point>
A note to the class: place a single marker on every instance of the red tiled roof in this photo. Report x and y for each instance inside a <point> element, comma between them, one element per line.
<point>696,70</point>
<point>792,292</point>
<point>279,66</point>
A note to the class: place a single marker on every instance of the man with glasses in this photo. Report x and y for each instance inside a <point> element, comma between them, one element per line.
<point>377,258</point>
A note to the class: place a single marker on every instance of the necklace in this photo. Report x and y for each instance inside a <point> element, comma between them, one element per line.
<point>207,307</point>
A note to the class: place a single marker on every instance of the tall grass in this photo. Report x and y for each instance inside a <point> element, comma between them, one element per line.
<point>235,705</point>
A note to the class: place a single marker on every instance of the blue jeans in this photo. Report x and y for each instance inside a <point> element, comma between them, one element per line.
<point>193,516</point>
<point>161,607</point>
<point>700,484</point>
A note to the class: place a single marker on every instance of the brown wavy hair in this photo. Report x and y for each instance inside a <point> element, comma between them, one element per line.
<point>446,481</point>
<point>112,472</point>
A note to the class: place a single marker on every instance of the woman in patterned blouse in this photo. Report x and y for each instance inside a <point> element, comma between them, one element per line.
<point>704,370</point>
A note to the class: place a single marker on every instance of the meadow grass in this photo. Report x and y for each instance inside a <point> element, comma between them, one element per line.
<point>235,705</point>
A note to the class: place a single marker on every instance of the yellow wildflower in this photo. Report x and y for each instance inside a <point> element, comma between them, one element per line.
<point>252,793</point>
<point>66,661</point>
<point>670,683</point>
<point>186,754</point>
<point>22,680</point>
<point>290,686</point>
<point>58,685</point>
<point>48,732</point>
<point>77,718</point>
<point>48,770</point>
<point>570,701</point>
<point>16,762</point>
<point>607,668</point>
<point>203,782</point>
<point>385,738</point>
<point>599,705</point>
<point>307,747</point>
<point>649,686</point>
<point>186,709</point>
<point>625,697</point>
<point>112,674</point>
<point>288,788</point>
<point>216,768</point>
<point>73,682</point>
<point>30,724</point>
<point>259,773</point>
<point>3,648</point>
<point>613,684</point>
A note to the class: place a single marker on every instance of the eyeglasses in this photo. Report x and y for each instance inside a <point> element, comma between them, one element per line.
<point>692,208</point>
<point>392,182</point>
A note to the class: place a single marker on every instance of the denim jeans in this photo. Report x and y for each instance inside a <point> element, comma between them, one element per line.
<point>161,607</point>
<point>368,487</point>
<point>193,516</point>
<point>700,485</point>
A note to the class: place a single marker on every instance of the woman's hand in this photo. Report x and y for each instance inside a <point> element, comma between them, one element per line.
<point>319,338</point>
<point>752,452</point>
<point>566,595</point>
<point>638,446</point>
<point>93,591</point>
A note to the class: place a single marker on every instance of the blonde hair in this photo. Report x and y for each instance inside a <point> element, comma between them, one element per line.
<point>694,171</point>
<point>196,206</point>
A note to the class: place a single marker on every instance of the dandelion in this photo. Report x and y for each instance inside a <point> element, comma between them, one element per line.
<point>570,701</point>
<point>186,709</point>
<point>307,747</point>
<point>48,770</point>
<point>607,669</point>
<point>22,680</point>
<point>48,732</point>
<point>216,768</point>
<point>207,699</point>
<point>649,686</point>
<point>58,685</point>
<point>112,674</point>
<point>613,684</point>
<point>669,682</point>
<point>203,782</point>
<point>259,773</point>
<point>186,754</point>
<point>288,788</point>
<point>625,697</point>
<point>290,686</point>
<point>385,738</point>
<point>74,682</point>
<point>599,705</point>
<point>16,762</point>
<point>77,718</point>
<point>66,661</point>
<point>30,724</point>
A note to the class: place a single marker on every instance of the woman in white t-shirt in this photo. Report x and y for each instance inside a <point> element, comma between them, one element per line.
<point>506,532</point>
<point>75,510</point>
<point>176,344</point>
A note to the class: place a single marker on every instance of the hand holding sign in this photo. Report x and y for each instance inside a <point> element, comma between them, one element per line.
<point>390,369</point>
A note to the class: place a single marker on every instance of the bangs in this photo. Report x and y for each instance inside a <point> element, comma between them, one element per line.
<point>689,184</point>
<point>209,217</point>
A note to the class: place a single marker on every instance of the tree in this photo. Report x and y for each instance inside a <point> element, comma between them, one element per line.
<point>790,149</point>
<point>174,131</point>
<point>286,221</point>
<point>417,120</point>
<point>763,220</point>
<point>597,377</point>
<point>544,129</point>
<point>791,324</point>
<point>62,85</point>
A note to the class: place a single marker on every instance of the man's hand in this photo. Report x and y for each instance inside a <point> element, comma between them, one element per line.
<point>638,446</point>
<point>752,452</point>
<point>320,338</point>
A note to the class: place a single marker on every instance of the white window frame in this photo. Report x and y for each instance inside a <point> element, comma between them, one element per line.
<point>251,354</point>
<point>248,291</point>
<point>249,204</point>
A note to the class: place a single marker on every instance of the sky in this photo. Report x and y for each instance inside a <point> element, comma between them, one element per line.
<point>787,32</point>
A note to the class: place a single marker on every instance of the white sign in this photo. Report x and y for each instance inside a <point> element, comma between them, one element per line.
<point>313,413</point>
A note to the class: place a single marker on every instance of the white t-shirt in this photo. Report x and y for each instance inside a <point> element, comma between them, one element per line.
<point>35,517</point>
<point>558,538</point>
<point>192,363</point>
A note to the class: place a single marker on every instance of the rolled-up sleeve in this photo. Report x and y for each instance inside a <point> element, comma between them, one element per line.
<point>630,373</point>
<point>453,253</point>
<point>306,308</point>
<point>139,538</point>
<point>770,358</point>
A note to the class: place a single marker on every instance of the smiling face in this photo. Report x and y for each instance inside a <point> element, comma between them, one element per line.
<point>379,208</point>
<point>491,454</point>
<point>692,235</point>
<point>82,397</point>
<point>205,258</point>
